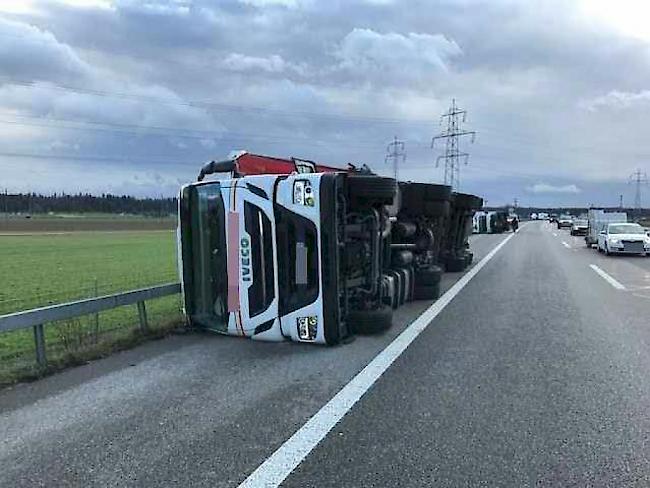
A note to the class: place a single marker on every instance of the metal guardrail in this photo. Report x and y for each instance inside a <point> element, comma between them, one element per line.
<point>37,317</point>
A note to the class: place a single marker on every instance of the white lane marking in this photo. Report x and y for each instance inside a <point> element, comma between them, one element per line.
<point>555,234</point>
<point>566,245</point>
<point>282,462</point>
<point>607,278</point>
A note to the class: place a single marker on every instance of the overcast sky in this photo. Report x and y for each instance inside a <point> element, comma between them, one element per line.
<point>129,96</point>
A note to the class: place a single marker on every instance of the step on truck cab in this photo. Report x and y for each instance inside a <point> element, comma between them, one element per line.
<point>309,255</point>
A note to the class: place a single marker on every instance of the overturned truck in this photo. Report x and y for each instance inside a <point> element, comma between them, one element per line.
<point>286,249</point>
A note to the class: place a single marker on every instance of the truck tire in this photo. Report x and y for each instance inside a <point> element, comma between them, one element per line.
<point>455,264</point>
<point>370,321</point>
<point>428,276</point>
<point>378,189</point>
<point>427,192</point>
<point>426,292</point>
<point>435,209</point>
<point>469,258</point>
<point>466,201</point>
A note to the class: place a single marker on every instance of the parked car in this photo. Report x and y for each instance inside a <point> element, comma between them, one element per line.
<point>564,221</point>
<point>580,227</point>
<point>552,218</point>
<point>623,238</point>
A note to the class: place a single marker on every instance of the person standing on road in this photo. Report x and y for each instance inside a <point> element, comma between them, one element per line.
<point>514,224</point>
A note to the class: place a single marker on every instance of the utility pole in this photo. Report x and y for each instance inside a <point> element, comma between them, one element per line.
<point>452,135</point>
<point>639,178</point>
<point>516,202</point>
<point>7,208</point>
<point>396,152</point>
<point>620,201</point>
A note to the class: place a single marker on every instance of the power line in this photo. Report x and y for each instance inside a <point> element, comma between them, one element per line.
<point>452,135</point>
<point>638,178</point>
<point>396,152</point>
<point>203,104</point>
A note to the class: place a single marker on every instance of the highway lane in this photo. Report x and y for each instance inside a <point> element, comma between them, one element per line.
<point>195,410</point>
<point>536,374</point>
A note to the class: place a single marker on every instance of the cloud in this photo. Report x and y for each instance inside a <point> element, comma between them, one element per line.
<point>242,63</point>
<point>546,188</point>
<point>617,100</point>
<point>29,53</point>
<point>272,3</point>
<point>395,55</point>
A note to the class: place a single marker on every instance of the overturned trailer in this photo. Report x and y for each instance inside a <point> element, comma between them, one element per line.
<point>287,249</point>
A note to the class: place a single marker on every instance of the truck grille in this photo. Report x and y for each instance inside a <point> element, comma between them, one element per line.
<point>633,246</point>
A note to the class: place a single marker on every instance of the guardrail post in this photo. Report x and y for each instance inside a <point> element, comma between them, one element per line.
<point>39,340</point>
<point>142,313</point>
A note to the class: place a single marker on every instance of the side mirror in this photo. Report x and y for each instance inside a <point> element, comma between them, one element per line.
<point>304,166</point>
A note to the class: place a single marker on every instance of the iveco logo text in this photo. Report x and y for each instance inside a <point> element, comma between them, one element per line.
<point>245,251</point>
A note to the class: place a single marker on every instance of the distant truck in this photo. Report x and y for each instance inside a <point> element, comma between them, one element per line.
<point>479,222</point>
<point>564,220</point>
<point>287,249</point>
<point>597,220</point>
<point>542,216</point>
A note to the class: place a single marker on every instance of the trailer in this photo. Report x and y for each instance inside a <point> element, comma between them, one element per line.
<point>597,220</point>
<point>312,253</point>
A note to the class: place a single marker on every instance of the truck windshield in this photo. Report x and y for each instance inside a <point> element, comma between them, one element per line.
<point>626,229</point>
<point>204,245</point>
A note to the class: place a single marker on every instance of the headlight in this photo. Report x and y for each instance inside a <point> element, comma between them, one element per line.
<point>307,327</point>
<point>302,193</point>
<point>613,240</point>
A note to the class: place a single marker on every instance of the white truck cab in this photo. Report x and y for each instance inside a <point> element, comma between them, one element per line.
<point>254,243</point>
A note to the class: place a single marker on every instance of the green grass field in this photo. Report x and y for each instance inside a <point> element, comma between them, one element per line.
<point>37,270</point>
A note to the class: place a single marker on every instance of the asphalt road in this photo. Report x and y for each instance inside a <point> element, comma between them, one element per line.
<point>534,374</point>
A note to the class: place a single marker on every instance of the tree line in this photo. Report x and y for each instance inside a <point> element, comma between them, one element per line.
<point>35,203</point>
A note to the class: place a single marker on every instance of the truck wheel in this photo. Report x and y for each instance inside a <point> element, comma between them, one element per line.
<point>425,191</point>
<point>370,321</point>
<point>455,264</point>
<point>424,198</point>
<point>469,258</point>
<point>426,292</point>
<point>369,187</point>
<point>434,209</point>
<point>428,276</point>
